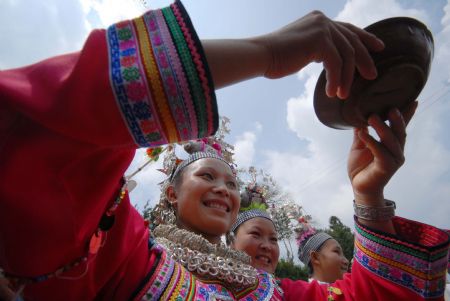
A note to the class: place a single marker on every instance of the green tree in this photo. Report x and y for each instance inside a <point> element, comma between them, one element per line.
<point>288,269</point>
<point>343,235</point>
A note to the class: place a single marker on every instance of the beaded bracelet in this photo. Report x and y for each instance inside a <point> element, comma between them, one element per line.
<point>371,213</point>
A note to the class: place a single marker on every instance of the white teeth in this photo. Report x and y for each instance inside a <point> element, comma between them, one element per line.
<point>265,259</point>
<point>217,206</point>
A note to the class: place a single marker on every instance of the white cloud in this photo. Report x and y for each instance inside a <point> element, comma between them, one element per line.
<point>147,179</point>
<point>442,46</point>
<point>446,19</point>
<point>318,177</point>
<point>112,11</point>
<point>244,149</point>
<point>314,183</point>
<point>35,30</point>
<point>302,119</point>
<point>244,146</point>
<point>54,27</point>
<point>365,12</point>
<point>258,126</point>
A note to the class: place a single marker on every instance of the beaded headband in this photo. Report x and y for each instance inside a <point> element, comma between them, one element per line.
<point>249,214</point>
<point>197,156</point>
<point>312,244</point>
<point>309,240</point>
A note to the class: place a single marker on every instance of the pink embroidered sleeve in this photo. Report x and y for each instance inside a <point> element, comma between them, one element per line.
<point>69,127</point>
<point>409,266</point>
<point>141,82</point>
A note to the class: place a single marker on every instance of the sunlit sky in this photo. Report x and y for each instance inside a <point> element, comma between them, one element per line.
<point>273,122</point>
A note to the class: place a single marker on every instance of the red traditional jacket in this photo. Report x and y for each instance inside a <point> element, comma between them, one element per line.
<point>407,266</point>
<point>69,127</point>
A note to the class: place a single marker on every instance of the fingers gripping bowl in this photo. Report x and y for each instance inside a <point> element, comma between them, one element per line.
<point>403,68</point>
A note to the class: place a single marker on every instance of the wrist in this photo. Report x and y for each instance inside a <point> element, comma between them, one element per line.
<point>265,54</point>
<point>373,199</point>
<point>235,60</point>
<point>375,214</point>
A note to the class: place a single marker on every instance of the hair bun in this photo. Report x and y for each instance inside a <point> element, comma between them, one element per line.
<point>203,145</point>
<point>192,147</point>
<point>253,197</point>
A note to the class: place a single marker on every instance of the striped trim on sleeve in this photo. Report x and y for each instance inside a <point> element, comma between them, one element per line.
<point>415,258</point>
<point>160,78</point>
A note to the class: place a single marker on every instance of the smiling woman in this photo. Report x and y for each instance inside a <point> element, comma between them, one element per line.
<point>205,196</point>
<point>202,194</point>
<point>254,231</point>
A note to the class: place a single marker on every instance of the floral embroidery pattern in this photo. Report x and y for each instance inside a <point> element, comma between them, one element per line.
<point>163,92</point>
<point>171,281</point>
<point>130,85</point>
<point>409,266</point>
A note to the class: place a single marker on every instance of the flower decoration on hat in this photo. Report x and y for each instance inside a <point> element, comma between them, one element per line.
<point>261,193</point>
<point>304,229</point>
<point>308,238</point>
<point>153,153</point>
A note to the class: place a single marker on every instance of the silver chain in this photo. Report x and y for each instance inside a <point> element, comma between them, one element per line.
<point>205,259</point>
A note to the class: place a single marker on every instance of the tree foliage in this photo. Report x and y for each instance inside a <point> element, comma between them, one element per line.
<point>288,269</point>
<point>343,235</point>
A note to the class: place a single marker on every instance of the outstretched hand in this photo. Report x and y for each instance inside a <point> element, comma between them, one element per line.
<point>340,46</point>
<point>372,163</point>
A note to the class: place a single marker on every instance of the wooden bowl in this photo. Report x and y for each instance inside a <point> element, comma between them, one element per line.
<point>403,68</point>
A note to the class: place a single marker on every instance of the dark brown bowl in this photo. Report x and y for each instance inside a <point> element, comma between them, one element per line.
<point>403,68</point>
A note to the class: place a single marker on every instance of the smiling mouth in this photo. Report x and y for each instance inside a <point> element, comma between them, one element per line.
<point>263,259</point>
<point>217,205</point>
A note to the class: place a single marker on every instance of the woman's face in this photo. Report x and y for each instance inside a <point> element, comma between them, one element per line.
<point>206,200</point>
<point>258,238</point>
<point>330,261</point>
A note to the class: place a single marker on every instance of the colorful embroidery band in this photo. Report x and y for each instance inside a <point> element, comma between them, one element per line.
<point>190,71</point>
<point>153,75</point>
<point>407,265</point>
<point>180,77</point>
<point>199,58</point>
<point>160,81</point>
<point>130,86</point>
<point>169,280</point>
<point>169,79</point>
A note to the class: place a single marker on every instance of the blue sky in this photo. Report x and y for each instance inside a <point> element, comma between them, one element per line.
<point>273,123</point>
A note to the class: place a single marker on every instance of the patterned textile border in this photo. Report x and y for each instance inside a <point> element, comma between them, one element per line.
<point>417,268</point>
<point>415,264</point>
<point>130,86</point>
<point>163,90</point>
<point>189,70</point>
<point>169,280</point>
<point>153,74</point>
<point>180,77</point>
<point>199,57</point>
<point>168,77</point>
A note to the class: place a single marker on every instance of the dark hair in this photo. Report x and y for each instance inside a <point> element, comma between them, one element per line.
<point>310,266</point>
<point>310,269</point>
<point>177,179</point>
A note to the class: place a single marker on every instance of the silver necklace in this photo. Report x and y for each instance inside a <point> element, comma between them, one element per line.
<point>207,260</point>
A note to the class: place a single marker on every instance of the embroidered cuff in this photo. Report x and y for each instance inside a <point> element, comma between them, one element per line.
<point>160,78</point>
<point>418,261</point>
